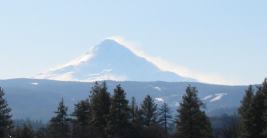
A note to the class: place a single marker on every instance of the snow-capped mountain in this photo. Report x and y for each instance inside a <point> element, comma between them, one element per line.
<point>110,60</point>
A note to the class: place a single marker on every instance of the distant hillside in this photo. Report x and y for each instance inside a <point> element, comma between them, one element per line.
<point>38,99</point>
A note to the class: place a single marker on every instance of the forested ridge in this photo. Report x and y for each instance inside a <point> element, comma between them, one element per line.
<point>105,114</point>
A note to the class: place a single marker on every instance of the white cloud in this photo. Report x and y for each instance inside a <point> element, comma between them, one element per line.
<point>61,77</point>
<point>164,65</point>
<point>85,57</point>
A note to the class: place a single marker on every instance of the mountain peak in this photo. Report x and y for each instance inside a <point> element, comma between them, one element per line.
<point>111,46</point>
<point>110,41</point>
<point>110,60</point>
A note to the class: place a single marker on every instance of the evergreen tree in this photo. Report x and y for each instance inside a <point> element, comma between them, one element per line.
<point>118,122</point>
<point>100,106</point>
<point>136,120</point>
<point>264,91</point>
<point>230,127</point>
<point>258,111</point>
<point>164,117</point>
<point>149,111</point>
<point>82,113</point>
<point>192,122</point>
<point>59,125</point>
<point>246,114</point>
<point>5,116</point>
<point>133,110</point>
<point>25,132</point>
<point>42,132</point>
<point>82,117</point>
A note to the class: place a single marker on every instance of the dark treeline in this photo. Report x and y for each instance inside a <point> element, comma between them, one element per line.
<point>110,115</point>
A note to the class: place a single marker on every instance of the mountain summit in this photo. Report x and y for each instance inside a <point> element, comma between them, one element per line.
<point>110,60</point>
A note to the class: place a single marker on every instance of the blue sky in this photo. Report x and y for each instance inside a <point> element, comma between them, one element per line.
<point>221,39</point>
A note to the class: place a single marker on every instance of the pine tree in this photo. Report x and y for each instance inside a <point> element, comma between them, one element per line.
<point>118,123</point>
<point>230,127</point>
<point>100,106</point>
<point>5,116</point>
<point>82,117</point>
<point>164,117</point>
<point>258,111</point>
<point>136,120</point>
<point>25,132</point>
<point>246,115</point>
<point>59,125</point>
<point>42,132</point>
<point>149,111</point>
<point>264,91</point>
<point>192,122</point>
<point>133,110</point>
<point>82,113</point>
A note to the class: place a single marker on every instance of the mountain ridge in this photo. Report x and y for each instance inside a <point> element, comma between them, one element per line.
<point>110,60</point>
<point>27,97</point>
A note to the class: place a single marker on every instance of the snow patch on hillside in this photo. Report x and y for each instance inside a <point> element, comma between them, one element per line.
<point>218,97</point>
<point>214,97</point>
<point>35,83</point>
<point>159,99</point>
<point>157,88</point>
<point>106,74</point>
<point>207,97</point>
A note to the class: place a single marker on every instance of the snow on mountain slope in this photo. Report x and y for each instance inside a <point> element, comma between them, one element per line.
<point>214,97</point>
<point>110,60</point>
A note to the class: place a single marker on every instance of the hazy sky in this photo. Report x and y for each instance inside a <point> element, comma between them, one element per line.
<point>219,39</point>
